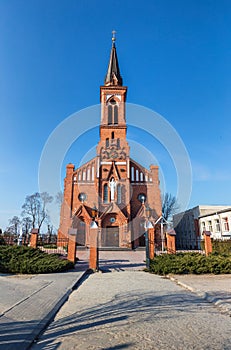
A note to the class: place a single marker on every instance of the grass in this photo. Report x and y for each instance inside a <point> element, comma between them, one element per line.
<point>26,260</point>
<point>191,263</point>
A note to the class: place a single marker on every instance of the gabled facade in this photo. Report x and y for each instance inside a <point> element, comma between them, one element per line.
<point>112,182</point>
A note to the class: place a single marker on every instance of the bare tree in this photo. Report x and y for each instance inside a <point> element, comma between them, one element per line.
<point>26,225</point>
<point>59,198</point>
<point>169,206</point>
<point>14,225</point>
<point>35,207</point>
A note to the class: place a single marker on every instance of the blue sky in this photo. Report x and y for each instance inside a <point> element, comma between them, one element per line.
<point>174,57</point>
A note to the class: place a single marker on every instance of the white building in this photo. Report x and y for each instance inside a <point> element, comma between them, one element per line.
<point>188,228</point>
<point>218,223</point>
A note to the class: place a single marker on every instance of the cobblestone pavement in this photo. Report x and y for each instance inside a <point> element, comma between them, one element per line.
<point>136,310</point>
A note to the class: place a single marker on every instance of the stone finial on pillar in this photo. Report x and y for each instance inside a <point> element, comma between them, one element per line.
<point>171,241</point>
<point>71,254</point>
<point>208,242</point>
<point>34,238</point>
<point>93,261</point>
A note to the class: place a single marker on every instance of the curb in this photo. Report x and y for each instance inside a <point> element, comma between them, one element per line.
<point>43,324</point>
<point>222,305</point>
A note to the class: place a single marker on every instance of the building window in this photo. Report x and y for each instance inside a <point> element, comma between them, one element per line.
<point>112,112</point>
<point>107,142</point>
<point>109,114</point>
<point>141,177</point>
<point>116,115</point>
<point>217,225</point>
<point>92,173</point>
<point>137,175</point>
<point>84,175</point>
<point>118,143</point>
<point>203,226</point>
<point>132,174</point>
<point>226,224</point>
<point>105,193</point>
<point>80,176</point>
<point>88,174</point>
<point>210,226</point>
<point>112,135</point>
<point>119,195</point>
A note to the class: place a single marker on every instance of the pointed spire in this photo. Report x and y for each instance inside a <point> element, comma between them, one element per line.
<point>113,76</point>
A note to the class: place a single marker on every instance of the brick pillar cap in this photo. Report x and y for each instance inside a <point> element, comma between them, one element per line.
<point>35,230</point>
<point>206,233</point>
<point>70,165</point>
<point>171,232</point>
<point>154,166</point>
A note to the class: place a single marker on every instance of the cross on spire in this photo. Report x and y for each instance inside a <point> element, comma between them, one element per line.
<point>113,36</point>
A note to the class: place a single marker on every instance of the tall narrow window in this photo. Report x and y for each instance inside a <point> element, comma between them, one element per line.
<point>141,177</point>
<point>118,143</point>
<point>115,114</point>
<point>105,193</point>
<point>88,174</point>
<point>132,174</point>
<point>112,135</point>
<point>217,225</point>
<point>107,142</point>
<point>137,175</point>
<point>119,199</point>
<point>226,224</point>
<point>210,226</point>
<point>92,173</point>
<point>109,114</point>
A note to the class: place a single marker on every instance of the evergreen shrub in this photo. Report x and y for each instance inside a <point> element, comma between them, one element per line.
<point>27,260</point>
<point>186,263</point>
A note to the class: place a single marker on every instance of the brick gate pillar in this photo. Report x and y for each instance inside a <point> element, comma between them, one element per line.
<point>151,239</point>
<point>34,238</point>
<point>208,242</point>
<point>171,241</point>
<point>93,261</point>
<point>71,253</point>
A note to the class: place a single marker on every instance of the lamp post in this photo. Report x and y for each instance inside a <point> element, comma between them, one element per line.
<point>94,250</point>
<point>148,225</point>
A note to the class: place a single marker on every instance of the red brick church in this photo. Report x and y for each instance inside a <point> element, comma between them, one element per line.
<point>112,189</point>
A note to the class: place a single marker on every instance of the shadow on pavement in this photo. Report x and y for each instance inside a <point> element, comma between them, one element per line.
<point>118,312</point>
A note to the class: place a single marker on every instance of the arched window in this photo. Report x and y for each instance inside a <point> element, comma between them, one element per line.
<point>141,177</point>
<point>84,175</point>
<point>80,176</point>
<point>112,135</point>
<point>119,194</point>
<point>105,193</point>
<point>118,143</point>
<point>115,114</point>
<point>109,114</point>
<point>132,174</point>
<point>88,174</point>
<point>92,173</point>
<point>107,142</point>
<point>137,175</point>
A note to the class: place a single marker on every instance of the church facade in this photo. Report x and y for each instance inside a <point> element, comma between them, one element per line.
<point>112,189</point>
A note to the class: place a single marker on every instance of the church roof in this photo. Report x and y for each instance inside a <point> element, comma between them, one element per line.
<point>113,76</point>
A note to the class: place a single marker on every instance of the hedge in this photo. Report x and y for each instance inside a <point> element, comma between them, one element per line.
<point>26,260</point>
<point>186,263</point>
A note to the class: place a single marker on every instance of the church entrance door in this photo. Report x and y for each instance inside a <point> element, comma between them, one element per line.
<point>112,236</point>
